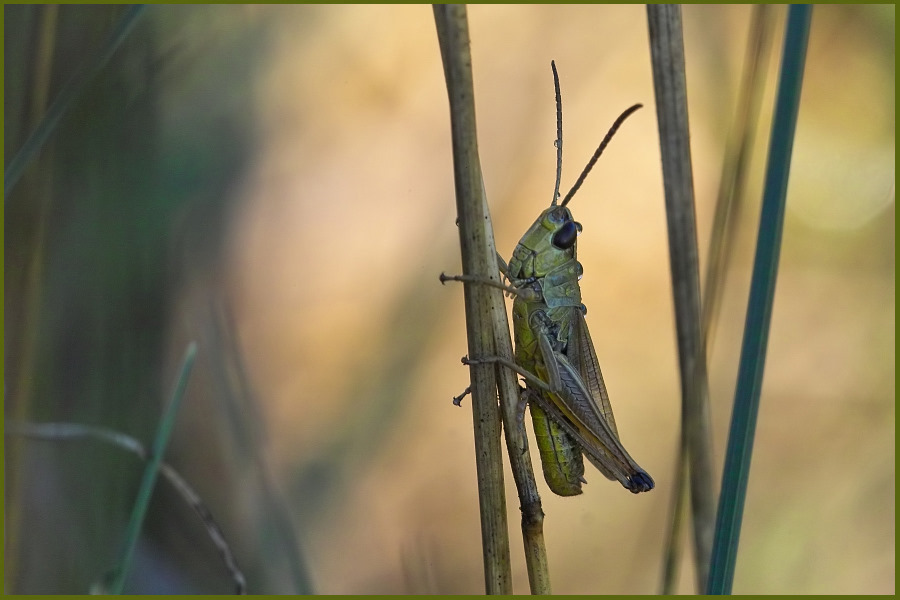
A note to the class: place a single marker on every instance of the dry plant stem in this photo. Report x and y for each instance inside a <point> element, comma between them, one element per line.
<point>453,36</point>
<point>488,332</point>
<point>672,552</point>
<point>667,54</point>
<point>728,205</point>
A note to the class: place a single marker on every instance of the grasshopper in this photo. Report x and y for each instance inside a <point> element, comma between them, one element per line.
<point>564,388</point>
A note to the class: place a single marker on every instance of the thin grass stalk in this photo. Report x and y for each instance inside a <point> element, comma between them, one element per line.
<point>517,449</point>
<point>67,96</point>
<point>519,456</point>
<point>76,431</point>
<point>728,207</point>
<point>730,198</point>
<point>517,446</point>
<point>282,540</point>
<point>479,259</point>
<point>118,575</point>
<point>39,188</point>
<point>667,55</point>
<point>672,551</point>
<point>759,307</point>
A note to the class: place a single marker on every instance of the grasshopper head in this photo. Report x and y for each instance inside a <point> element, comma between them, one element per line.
<point>555,231</point>
<point>548,243</point>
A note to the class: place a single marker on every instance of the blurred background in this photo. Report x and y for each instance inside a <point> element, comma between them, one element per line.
<point>276,183</point>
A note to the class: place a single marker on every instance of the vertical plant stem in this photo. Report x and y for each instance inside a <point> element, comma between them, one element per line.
<point>151,472</point>
<point>475,216</point>
<point>728,206</point>
<point>759,307</point>
<point>672,551</point>
<point>27,352</point>
<point>730,197</point>
<point>477,252</point>
<point>667,53</point>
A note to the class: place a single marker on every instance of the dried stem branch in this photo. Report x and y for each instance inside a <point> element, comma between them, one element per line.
<point>667,55</point>
<point>488,332</point>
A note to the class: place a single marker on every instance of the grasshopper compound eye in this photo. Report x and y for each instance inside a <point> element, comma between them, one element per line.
<point>566,236</point>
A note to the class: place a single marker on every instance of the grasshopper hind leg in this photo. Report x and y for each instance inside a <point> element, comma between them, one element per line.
<point>561,457</point>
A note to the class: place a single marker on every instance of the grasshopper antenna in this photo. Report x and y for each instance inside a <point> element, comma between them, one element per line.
<point>612,130</point>
<point>558,142</point>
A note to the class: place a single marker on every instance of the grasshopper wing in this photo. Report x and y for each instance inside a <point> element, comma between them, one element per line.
<point>585,408</point>
<point>582,355</point>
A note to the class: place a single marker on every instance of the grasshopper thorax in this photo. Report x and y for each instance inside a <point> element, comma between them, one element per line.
<point>544,260</point>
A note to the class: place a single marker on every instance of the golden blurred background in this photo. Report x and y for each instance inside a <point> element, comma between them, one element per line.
<point>276,183</point>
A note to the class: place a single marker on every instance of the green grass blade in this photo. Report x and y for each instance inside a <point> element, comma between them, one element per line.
<point>163,432</point>
<point>759,309</point>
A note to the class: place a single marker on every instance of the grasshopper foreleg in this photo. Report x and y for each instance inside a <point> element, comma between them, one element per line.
<point>518,287</point>
<point>482,280</point>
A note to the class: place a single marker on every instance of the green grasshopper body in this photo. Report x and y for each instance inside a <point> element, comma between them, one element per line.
<point>569,405</point>
<point>571,414</point>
